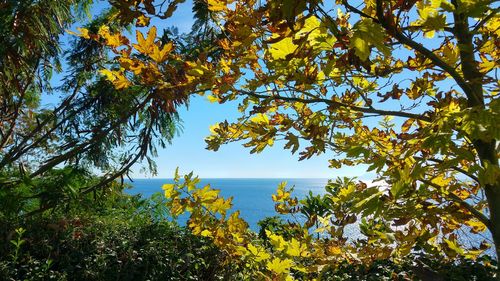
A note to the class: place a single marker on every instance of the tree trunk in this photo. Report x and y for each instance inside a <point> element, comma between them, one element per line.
<point>486,150</point>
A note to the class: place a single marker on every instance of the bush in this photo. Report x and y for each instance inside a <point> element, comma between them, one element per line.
<point>120,239</point>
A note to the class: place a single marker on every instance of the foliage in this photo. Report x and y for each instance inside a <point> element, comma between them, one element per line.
<point>290,250</point>
<point>408,88</point>
<point>92,126</point>
<point>120,237</point>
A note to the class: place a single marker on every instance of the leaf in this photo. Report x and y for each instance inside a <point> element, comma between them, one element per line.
<point>145,45</point>
<point>212,99</point>
<point>296,249</point>
<point>276,240</point>
<point>453,245</point>
<point>406,125</point>
<point>142,21</point>
<point>160,56</point>
<point>84,33</point>
<point>108,74</point>
<point>260,118</point>
<point>169,190</point>
<point>259,253</point>
<point>282,48</point>
<point>279,266</point>
<point>367,33</point>
<point>476,226</point>
<point>293,142</point>
<point>216,5</point>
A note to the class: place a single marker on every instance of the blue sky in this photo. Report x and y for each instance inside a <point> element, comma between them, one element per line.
<point>188,152</point>
<point>231,161</point>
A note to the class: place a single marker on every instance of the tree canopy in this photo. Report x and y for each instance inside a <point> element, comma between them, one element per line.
<point>91,128</point>
<point>408,88</point>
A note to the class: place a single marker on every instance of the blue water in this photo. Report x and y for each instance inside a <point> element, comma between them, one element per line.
<point>251,196</point>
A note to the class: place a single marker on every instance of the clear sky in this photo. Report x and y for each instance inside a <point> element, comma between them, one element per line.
<point>235,161</point>
<point>188,152</point>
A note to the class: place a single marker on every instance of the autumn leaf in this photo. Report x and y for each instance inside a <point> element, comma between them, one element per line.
<point>216,5</point>
<point>279,266</point>
<point>142,21</point>
<point>367,34</point>
<point>282,48</point>
<point>146,45</point>
<point>160,56</point>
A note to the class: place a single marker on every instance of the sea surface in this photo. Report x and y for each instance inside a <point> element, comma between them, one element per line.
<point>251,196</point>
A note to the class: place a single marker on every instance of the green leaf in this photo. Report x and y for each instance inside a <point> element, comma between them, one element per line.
<point>367,33</point>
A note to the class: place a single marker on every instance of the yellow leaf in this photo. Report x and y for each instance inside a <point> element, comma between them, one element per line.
<point>220,205</point>
<point>453,245</point>
<point>212,99</point>
<point>279,266</point>
<point>216,5</point>
<point>259,253</point>
<point>116,77</point>
<point>206,194</point>
<point>297,249</point>
<point>169,190</point>
<point>135,66</point>
<point>334,250</point>
<point>213,129</point>
<point>283,48</point>
<point>477,226</point>
<point>260,118</point>
<point>142,20</point>
<point>276,240</point>
<point>160,56</point>
<point>441,181</point>
<point>84,33</point>
<point>146,45</point>
<point>206,233</point>
<point>108,74</point>
<point>121,81</point>
<point>112,40</point>
<point>486,65</point>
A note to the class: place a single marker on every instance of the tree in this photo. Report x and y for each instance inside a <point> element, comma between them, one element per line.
<point>408,88</point>
<point>92,128</point>
<point>321,75</point>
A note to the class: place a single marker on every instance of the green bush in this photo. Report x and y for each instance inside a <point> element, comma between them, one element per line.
<point>121,238</point>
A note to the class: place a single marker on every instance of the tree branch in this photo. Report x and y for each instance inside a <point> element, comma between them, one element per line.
<point>453,167</point>
<point>339,104</point>
<point>477,214</point>
<point>424,51</point>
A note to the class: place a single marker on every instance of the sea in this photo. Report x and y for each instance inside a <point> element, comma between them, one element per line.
<point>251,196</point>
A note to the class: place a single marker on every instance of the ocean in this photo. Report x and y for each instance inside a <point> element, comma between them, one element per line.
<point>251,196</point>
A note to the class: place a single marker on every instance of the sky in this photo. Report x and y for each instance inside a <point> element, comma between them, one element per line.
<point>187,151</point>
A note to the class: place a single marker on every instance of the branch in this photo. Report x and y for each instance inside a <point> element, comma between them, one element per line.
<point>453,167</point>
<point>424,51</point>
<point>89,143</point>
<point>339,104</point>
<point>477,214</point>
